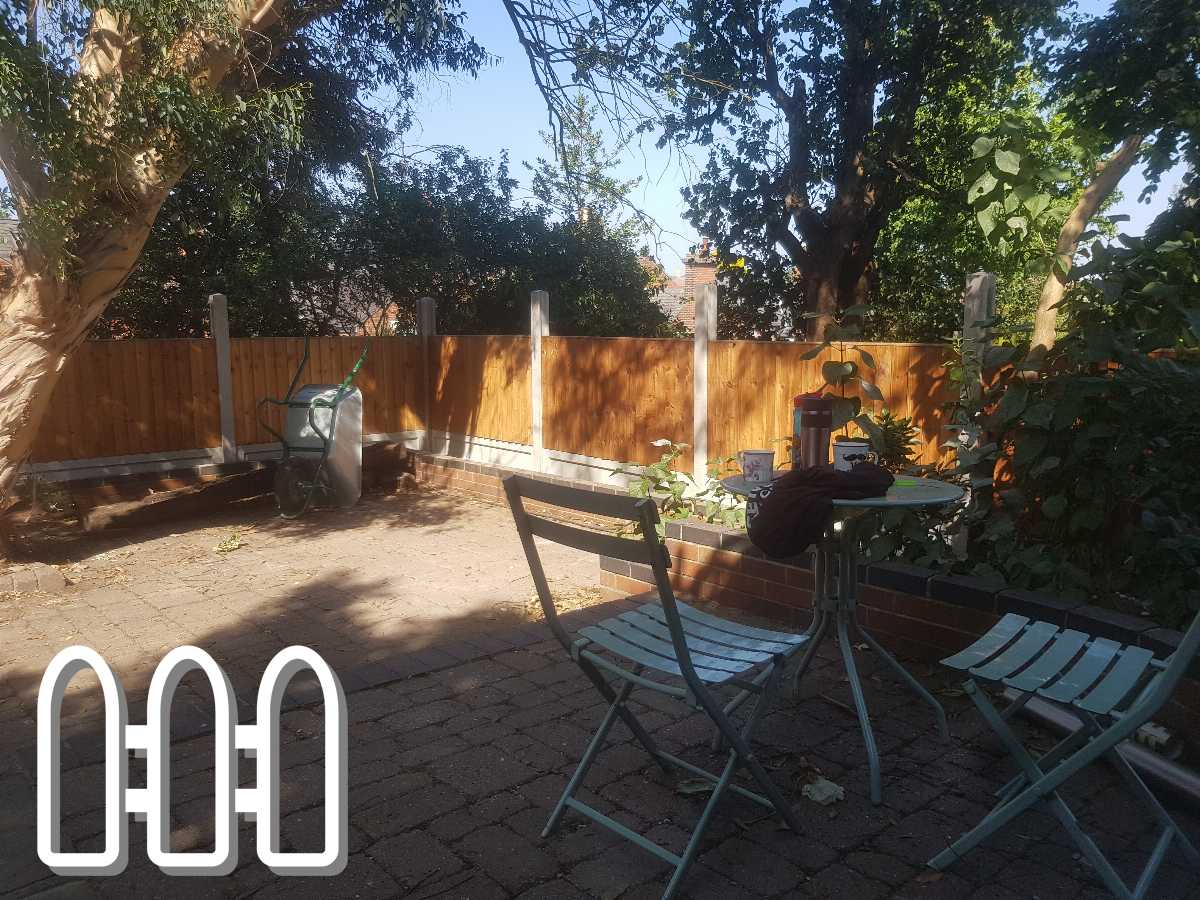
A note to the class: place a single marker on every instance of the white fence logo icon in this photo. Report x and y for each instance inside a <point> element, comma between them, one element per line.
<point>152,740</point>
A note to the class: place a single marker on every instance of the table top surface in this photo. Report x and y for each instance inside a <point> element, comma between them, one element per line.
<point>906,492</point>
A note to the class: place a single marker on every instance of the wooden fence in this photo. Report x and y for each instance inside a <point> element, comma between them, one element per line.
<point>751,385</point>
<point>610,397</point>
<point>390,380</point>
<point>603,398</point>
<point>120,398</point>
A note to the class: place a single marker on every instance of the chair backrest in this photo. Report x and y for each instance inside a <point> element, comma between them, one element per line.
<point>646,548</point>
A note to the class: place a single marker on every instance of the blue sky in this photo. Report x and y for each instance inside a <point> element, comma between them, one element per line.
<point>502,110</point>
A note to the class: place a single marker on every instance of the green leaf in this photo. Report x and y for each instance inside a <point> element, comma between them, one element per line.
<point>1011,405</point>
<point>1090,518</point>
<point>882,546</point>
<point>1018,223</point>
<point>1008,161</point>
<point>982,147</point>
<point>837,373</point>
<point>983,186</point>
<point>1054,507</point>
<point>1030,444</point>
<point>815,351</point>
<point>867,358</point>
<point>870,390</point>
<point>858,309</point>
<point>1040,414</point>
<point>845,409</point>
<point>1054,174</point>
<point>986,218</point>
<point>1044,465</point>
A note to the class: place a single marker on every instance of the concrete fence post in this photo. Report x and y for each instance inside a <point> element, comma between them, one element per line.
<point>979,306</point>
<point>427,329</point>
<point>706,330</point>
<point>539,327</point>
<point>218,326</point>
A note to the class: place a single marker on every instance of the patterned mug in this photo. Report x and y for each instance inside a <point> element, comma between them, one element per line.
<point>848,454</point>
<point>758,466</point>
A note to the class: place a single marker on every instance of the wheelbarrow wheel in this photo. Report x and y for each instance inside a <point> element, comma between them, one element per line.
<point>293,487</point>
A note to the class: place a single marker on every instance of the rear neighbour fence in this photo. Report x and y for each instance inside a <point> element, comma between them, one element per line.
<point>567,406</point>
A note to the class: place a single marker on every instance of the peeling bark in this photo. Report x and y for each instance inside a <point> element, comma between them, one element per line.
<point>43,318</point>
<point>1045,320</point>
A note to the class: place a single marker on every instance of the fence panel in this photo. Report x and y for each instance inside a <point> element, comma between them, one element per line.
<point>481,386</point>
<point>119,398</point>
<point>751,385</point>
<point>610,397</point>
<point>390,379</point>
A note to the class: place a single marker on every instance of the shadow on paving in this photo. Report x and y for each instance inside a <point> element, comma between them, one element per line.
<point>56,542</point>
<point>462,735</point>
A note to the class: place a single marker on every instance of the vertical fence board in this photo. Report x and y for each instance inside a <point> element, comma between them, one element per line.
<point>610,397</point>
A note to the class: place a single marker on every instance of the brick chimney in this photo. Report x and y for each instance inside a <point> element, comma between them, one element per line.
<point>699,266</point>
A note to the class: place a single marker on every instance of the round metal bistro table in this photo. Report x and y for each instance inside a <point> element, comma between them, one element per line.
<point>835,594</point>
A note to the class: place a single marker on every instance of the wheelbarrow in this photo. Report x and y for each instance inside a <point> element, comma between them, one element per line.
<point>304,475</point>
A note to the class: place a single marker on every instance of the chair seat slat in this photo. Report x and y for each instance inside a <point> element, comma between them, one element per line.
<point>665,648</point>
<point>1035,639</point>
<point>711,648</point>
<point>1120,681</point>
<point>691,626</point>
<point>735,628</point>
<point>989,644</point>
<point>1096,657</point>
<point>622,647</point>
<point>1048,666</point>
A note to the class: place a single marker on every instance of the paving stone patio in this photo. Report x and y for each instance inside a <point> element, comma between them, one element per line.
<point>466,721</point>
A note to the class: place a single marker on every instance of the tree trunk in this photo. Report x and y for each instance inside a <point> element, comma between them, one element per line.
<point>1045,320</point>
<point>33,351</point>
<point>44,318</point>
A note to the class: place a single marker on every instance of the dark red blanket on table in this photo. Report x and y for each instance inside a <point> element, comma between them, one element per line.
<point>794,511</point>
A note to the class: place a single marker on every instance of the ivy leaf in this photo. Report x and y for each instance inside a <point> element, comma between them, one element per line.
<point>1054,507</point>
<point>1008,161</point>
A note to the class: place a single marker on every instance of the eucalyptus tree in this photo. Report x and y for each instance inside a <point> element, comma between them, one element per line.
<point>104,107</point>
<point>809,110</point>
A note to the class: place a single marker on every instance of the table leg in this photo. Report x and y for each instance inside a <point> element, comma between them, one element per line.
<point>860,705</point>
<point>908,679</point>
<point>823,597</point>
<point>816,633</point>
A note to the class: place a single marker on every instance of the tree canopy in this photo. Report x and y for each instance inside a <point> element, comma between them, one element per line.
<point>809,111</point>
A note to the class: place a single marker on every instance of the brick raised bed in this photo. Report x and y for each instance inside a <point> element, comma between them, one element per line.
<point>915,612</point>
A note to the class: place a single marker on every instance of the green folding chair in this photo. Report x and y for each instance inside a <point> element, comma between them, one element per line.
<point>669,637</point>
<point>1113,689</point>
